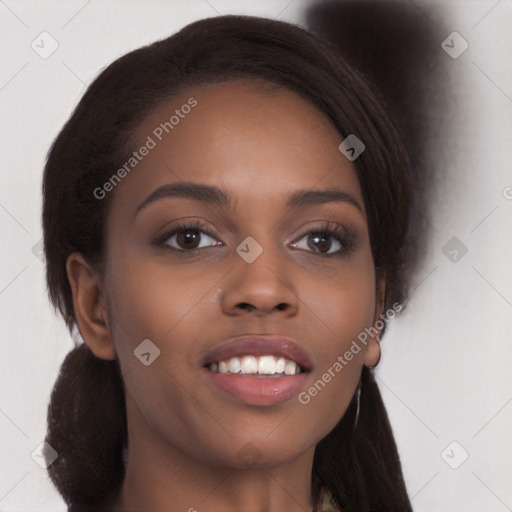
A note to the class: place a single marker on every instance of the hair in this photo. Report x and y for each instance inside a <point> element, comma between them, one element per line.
<point>86,415</point>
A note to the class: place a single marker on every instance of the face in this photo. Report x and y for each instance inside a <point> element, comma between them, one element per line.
<point>243,266</point>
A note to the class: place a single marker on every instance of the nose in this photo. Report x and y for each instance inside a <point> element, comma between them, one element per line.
<point>260,287</point>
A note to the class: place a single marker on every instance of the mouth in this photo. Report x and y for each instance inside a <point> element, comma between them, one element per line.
<point>261,370</point>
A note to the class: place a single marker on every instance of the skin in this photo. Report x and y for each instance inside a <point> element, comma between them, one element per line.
<point>185,434</point>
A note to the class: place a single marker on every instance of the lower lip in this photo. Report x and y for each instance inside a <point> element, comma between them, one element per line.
<point>258,390</point>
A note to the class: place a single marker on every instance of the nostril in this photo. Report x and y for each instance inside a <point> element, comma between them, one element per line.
<point>246,306</point>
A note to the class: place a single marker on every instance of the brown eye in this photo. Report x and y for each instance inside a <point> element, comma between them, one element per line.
<point>322,241</point>
<point>327,240</point>
<point>186,238</point>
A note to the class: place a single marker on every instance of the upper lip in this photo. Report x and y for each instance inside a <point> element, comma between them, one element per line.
<point>259,345</point>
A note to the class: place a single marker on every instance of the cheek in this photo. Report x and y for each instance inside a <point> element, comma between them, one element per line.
<point>342,304</point>
<point>170,305</point>
<point>149,301</point>
<point>340,310</point>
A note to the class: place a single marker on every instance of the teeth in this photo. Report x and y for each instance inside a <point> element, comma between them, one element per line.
<point>250,365</point>
<point>290,368</point>
<point>267,365</point>
<point>234,365</point>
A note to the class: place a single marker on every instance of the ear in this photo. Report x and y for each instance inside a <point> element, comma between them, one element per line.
<point>90,312</point>
<point>372,354</point>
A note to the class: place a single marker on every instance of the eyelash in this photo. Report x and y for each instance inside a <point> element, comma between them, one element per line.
<point>332,230</point>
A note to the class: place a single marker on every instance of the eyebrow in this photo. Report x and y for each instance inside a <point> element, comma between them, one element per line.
<point>222,198</point>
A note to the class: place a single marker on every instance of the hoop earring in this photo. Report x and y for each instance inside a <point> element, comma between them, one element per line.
<point>358,405</point>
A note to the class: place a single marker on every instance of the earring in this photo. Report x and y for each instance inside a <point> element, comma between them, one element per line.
<point>358,404</point>
<point>76,336</point>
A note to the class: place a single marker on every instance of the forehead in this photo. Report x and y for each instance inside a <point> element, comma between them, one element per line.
<point>261,143</point>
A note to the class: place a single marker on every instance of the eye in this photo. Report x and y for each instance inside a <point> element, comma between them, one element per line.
<point>186,237</point>
<point>327,240</point>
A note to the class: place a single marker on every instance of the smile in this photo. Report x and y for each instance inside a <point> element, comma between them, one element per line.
<point>266,365</point>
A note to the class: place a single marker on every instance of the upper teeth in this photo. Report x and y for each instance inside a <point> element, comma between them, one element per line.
<point>264,365</point>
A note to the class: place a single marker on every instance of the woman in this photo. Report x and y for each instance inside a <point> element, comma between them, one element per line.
<point>225,216</point>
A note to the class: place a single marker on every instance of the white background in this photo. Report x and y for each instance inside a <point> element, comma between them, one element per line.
<point>445,372</point>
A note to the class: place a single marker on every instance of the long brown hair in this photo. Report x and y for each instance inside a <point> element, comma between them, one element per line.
<point>86,415</point>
